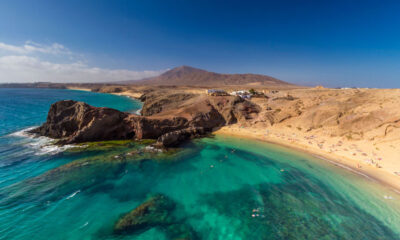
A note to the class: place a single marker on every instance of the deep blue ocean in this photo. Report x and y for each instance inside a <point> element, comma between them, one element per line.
<point>222,187</point>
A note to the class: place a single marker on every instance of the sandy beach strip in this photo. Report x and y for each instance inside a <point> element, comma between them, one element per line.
<point>129,94</point>
<point>355,156</point>
<point>80,89</point>
<point>135,95</point>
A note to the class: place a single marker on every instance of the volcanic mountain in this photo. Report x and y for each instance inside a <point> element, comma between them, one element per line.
<point>189,76</point>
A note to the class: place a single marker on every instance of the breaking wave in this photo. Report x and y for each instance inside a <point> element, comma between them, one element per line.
<point>40,144</point>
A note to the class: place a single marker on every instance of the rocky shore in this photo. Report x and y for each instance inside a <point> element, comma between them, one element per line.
<point>171,119</point>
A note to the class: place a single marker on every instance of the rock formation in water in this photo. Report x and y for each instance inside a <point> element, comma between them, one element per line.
<point>156,212</point>
<point>152,213</point>
<point>74,122</point>
<point>168,121</point>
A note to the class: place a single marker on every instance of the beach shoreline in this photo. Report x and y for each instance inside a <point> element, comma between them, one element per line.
<point>79,89</point>
<point>380,175</point>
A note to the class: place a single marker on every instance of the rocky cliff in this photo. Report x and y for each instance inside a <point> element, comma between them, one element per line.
<point>168,121</point>
<point>74,122</point>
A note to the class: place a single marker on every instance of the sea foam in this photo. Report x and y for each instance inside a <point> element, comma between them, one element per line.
<point>40,144</point>
<point>73,194</point>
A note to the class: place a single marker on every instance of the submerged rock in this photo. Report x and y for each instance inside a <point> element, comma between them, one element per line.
<point>158,211</point>
<point>154,212</point>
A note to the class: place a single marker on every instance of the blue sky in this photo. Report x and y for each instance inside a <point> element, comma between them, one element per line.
<point>333,43</point>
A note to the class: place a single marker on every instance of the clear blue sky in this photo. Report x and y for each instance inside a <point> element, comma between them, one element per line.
<point>333,43</point>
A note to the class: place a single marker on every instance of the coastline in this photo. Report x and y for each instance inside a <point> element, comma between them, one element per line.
<point>341,155</point>
<point>381,175</point>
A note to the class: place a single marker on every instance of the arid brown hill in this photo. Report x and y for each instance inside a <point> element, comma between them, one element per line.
<point>189,76</point>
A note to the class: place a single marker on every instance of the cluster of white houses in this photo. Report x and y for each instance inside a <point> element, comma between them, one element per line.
<point>241,93</point>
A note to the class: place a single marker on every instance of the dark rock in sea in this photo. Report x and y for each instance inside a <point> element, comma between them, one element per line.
<point>158,211</point>
<point>155,212</point>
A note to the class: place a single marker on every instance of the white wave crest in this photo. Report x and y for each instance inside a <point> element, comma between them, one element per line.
<point>84,225</point>
<point>23,132</point>
<point>73,194</point>
<point>41,145</point>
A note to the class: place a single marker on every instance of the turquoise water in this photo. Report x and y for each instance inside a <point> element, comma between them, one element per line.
<point>223,187</point>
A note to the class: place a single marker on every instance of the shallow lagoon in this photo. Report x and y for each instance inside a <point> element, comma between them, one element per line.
<point>223,187</point>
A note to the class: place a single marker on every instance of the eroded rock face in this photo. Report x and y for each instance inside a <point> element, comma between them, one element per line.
<point>174,138</point>
<point>152,128</point>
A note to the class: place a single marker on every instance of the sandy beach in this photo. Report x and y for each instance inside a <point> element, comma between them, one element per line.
<point>79,88</point>
<point>359,156</point>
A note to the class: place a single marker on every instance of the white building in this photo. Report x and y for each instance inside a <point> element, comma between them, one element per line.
<point>241,93</point>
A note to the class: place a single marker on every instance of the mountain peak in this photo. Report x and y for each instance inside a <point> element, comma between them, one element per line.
<point>185,68</point>
<point>190,76</point>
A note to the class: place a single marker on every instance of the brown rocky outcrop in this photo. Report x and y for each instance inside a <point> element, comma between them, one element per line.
<point>74,122</point>
<point>229,108</point>
<point>174,138</point>
<point>170,119</point>
<point>155,102</point>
